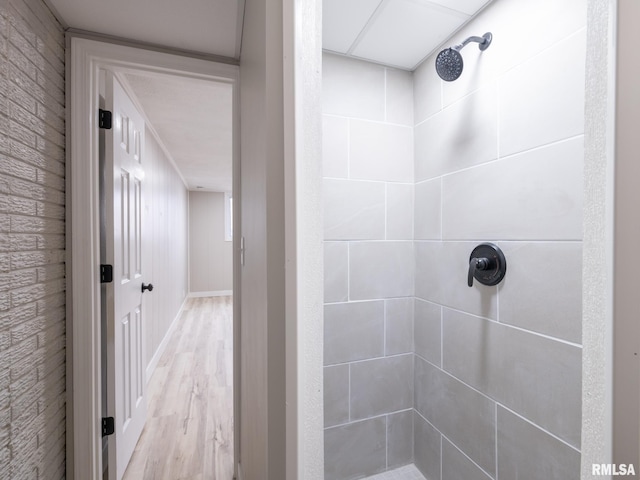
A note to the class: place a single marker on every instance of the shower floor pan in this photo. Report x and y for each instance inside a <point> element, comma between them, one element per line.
<point>408,472</point>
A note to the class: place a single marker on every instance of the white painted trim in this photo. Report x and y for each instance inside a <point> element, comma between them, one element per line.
<point>153,363</point>
<point>87,57</point>
<point>213,293</point>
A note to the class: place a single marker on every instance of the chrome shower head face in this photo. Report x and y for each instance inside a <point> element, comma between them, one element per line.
<point>449,64</point>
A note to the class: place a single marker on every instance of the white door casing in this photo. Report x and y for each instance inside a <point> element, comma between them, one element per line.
<point>126,366</point>
<point>87,56</point>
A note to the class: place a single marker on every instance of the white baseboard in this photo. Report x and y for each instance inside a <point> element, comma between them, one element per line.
<point>163,344</point>
<point>214,293</point>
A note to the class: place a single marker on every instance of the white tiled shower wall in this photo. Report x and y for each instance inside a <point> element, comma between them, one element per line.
<point>368,189</point>
<point>496,371</point>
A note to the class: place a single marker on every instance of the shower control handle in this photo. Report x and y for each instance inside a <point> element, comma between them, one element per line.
<point>487,264</point>
<point>476,264</point>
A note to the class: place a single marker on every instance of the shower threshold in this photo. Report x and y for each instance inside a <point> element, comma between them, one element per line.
<point>408,472</point>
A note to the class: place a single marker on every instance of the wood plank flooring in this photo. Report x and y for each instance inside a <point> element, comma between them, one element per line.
<point>189,430</point>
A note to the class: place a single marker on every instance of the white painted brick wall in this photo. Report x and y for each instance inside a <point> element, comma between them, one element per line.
<point>32,256</point>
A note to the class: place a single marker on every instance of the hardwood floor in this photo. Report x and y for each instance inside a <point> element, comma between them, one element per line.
<point>189,430</point>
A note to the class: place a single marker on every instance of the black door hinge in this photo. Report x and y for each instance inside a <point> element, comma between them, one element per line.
<point>106,273</point>
<point>108,426</point>
<point>104,119</point>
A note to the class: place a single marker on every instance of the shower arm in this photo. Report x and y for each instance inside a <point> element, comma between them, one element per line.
<point>483,41</point>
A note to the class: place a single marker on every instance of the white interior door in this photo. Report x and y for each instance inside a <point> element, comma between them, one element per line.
<point>126,364</point>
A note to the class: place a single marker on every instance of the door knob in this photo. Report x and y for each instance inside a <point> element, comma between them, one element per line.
<point>487,264</point>
<point>147,287</point>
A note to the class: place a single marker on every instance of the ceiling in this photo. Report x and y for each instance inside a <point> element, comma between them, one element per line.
<point>205,26</point>
<point>398,33</point>
<point>193,118</point>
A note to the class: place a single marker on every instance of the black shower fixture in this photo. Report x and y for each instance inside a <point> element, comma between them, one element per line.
<point>449,62</point>
<point>487,264</point>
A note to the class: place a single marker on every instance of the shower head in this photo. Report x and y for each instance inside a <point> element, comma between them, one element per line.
<point>449,62</point>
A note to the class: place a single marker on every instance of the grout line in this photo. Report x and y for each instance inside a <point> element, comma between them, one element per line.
<point>348,271</point>
<point>385,95</point>
<point>351,362</point>
<point>477,240</point>
<point>386,441</point>
<point>496,437</point>
<point>533,424</point>
<point>384,329</point>
<point>370,120</point>
<point>498,288</point>
<point>506,157</point>
<point>349,395</point>
<point>369,418</point>
<point>489,476</point>
<point>349,149</point>
<point>497,87</point>
<point>441,337</point>
<point>386,211</point>
<point>441,207</point>
<point>441,462</point>
<point>506,325</point>
<point>367,180</point>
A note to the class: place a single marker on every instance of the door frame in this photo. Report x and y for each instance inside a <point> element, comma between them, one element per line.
<point>85,58</point>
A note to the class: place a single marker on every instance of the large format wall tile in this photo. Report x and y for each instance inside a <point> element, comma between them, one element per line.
<point>352,88</point>
<point>426,447</point>
<point>382,385</point>
<point>428,210</point>
<point>399,211</point>
<point>462,414</point>
<point>543,288</point>
<point>336,395</point>
<point>529,118</point>
<point>399,97</point>
<point>441,277</point>
<point>353,210</point>
<point>380,151</point>
<point>547,22</point>
<point>457,466</point>
<point>400,438</point>
<point>427,92</point>
<point>353,331</point>
<point>538,377</point>
<point>536,195</point>
<point>427,327</point>
<point>460,136</point>
<point>336,272</point>
<point>398,321</point>
<point>335,147</point>
<point>525,451</point>
<point>355,450</point>
<point>380,270</point>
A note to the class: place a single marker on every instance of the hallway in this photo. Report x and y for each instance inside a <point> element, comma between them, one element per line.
<point>189,429</point>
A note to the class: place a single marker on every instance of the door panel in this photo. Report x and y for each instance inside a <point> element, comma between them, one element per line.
<point>124,190</point>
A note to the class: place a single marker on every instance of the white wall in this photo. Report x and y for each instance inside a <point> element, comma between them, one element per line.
<point>210,255</point>
<point>262,310</point>
<point>168,211</point>
<point>598,230</point>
